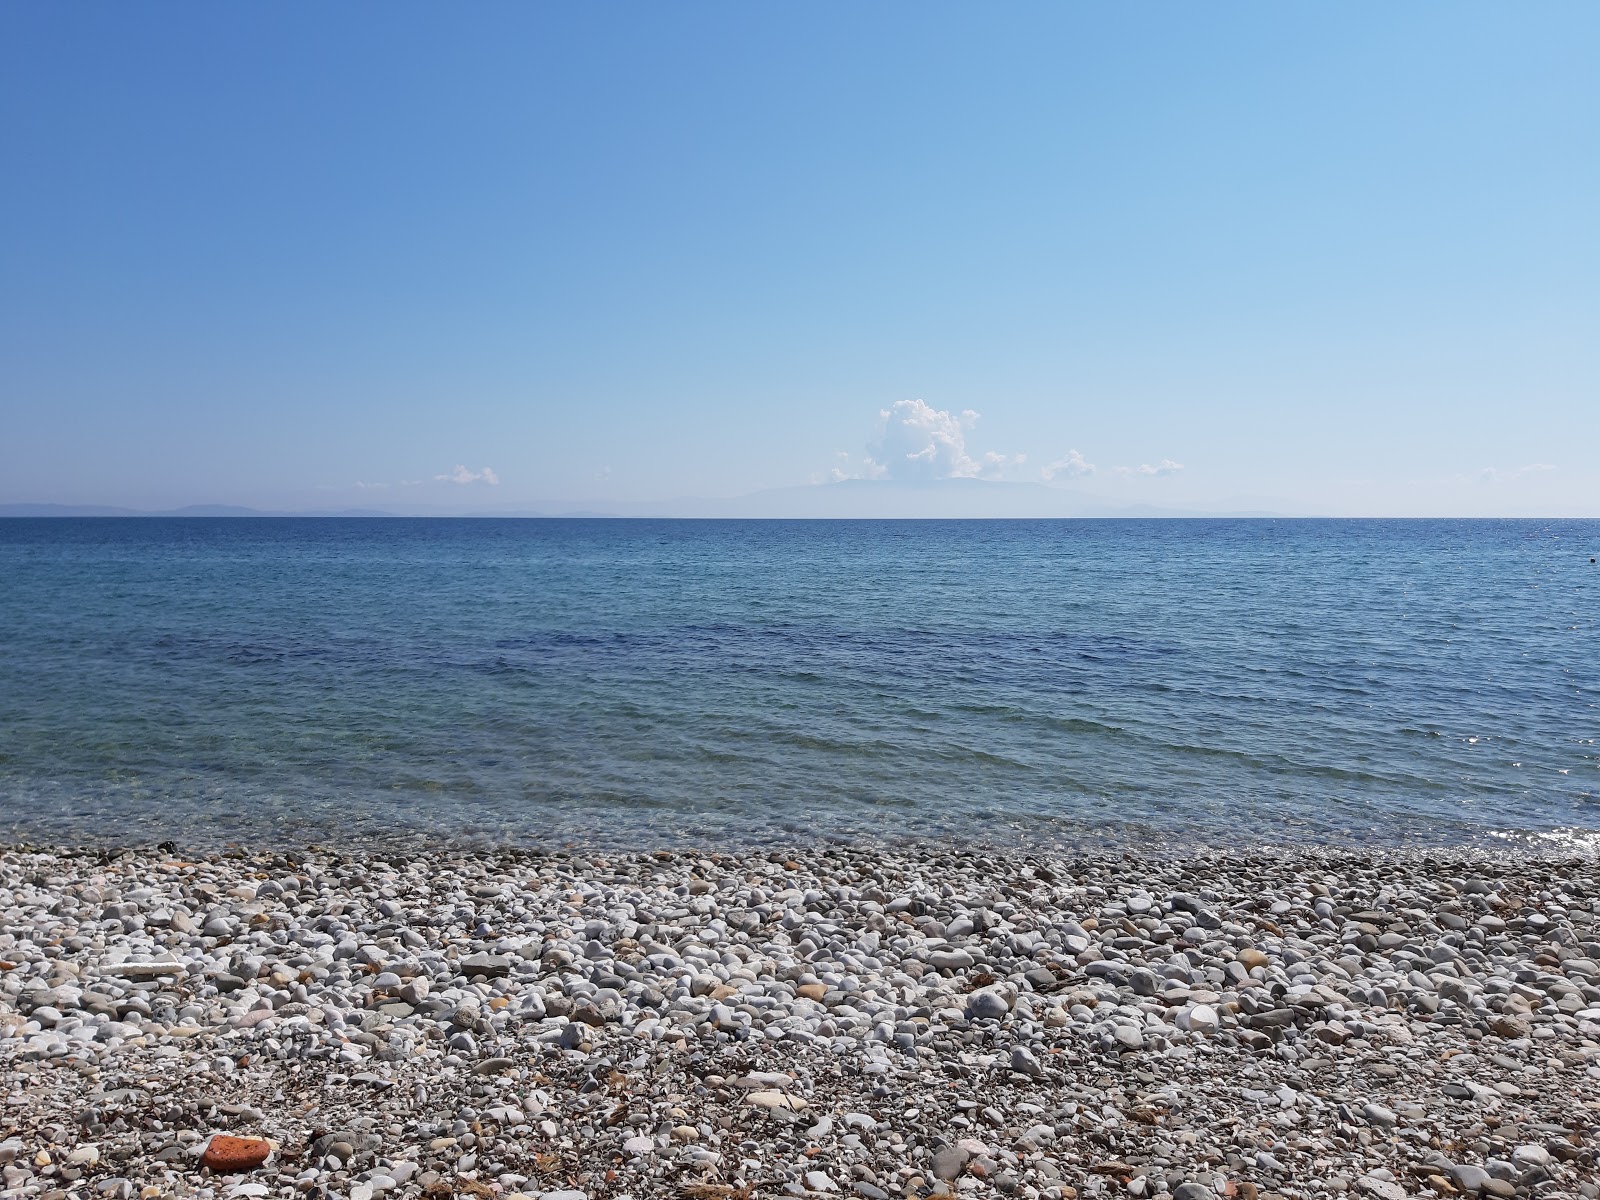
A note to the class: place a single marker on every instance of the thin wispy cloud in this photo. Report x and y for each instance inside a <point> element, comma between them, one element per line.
<point>1165,467</point>
<point>1493,475</point>
<point>464,475</point>
<point>460,475</point>
<point>994,465</point>
<point>1071,466</point>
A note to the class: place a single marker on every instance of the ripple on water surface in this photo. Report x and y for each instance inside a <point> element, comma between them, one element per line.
<point>638,683</point>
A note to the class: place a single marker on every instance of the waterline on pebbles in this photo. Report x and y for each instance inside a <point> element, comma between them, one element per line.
<point>831,1022</point>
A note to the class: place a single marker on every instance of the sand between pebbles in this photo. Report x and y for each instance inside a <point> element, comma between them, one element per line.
<point>848,1023</point>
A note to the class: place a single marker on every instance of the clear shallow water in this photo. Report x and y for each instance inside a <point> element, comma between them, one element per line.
<point>645,683</point>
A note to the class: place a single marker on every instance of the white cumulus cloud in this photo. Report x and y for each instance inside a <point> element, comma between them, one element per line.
<point>1495,475</point>
<point>462,475</point>
<point>917,441</point>
<point>1070,466</point>
<point>913,441</point>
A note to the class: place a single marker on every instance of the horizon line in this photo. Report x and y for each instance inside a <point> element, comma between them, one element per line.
<point>181,514</point>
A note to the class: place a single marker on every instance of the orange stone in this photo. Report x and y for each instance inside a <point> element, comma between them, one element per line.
<point>227,1155</point>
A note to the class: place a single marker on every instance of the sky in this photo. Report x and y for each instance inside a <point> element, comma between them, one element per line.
<point>1331,259</point>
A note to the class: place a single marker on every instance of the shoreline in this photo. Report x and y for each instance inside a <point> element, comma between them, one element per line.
<point>1012,842</point>
<point>887,1021</point>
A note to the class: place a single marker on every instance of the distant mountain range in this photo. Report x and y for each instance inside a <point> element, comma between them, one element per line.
<point>851,498</point>
<point>189,510</point>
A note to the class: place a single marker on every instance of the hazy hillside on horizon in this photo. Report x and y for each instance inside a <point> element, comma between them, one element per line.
<point>864,499</point>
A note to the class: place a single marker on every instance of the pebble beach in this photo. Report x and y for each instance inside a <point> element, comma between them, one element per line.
<point>840,1022</point>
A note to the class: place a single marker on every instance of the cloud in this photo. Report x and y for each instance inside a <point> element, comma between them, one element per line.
<point>1072,466</point>
<point>916,441</point>
<point>462,475</point>
<point>459,475</point>
<point>1493,475</point>
<point>993,465</point>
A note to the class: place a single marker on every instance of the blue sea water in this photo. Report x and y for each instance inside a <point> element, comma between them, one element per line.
<point>655,683</point>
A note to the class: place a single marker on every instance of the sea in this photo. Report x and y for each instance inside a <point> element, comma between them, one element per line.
<point>1159,685</point>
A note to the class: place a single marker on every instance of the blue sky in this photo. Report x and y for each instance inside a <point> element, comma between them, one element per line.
<point>1326,258</point>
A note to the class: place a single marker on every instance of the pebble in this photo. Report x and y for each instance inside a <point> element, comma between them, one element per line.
<point>1468,1178</point>
<point>871,1021</point>
<point>777,1100</point>
<point>1024,1062</point>
<point>949,1162</point>
<point>225,1154</point>
<point>991,1003</point>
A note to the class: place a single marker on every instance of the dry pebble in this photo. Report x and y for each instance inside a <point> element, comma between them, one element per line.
<point>874,1023</point>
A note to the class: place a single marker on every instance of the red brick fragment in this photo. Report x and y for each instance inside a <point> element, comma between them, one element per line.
<point>227,1155</point>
